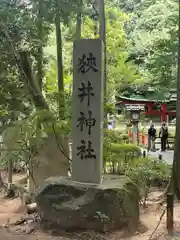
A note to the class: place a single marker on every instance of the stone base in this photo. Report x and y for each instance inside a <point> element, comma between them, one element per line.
<point>72,205</point>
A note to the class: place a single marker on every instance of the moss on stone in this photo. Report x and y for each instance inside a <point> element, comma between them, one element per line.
<point>110,205</point>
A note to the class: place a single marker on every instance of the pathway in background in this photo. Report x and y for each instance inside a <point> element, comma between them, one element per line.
<point>167,156</point>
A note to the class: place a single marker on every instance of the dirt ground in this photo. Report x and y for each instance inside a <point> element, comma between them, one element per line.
<point>11,210</point>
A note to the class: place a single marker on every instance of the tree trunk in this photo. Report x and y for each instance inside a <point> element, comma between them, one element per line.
<point>59,61</point>
<point>40,46</point>
<point>10,190</point>
<point>25,70</point>
<point>1,181</point>
<point>79,21</point>
<point>176,162</point>
<point>10,171</point>
<point>102,23</point>
<point>96,18</point>
<point>31,83</point>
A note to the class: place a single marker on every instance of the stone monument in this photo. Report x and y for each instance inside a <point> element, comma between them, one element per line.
<point>87,111</point>
<point>50,161</point>
<point>88,201</point>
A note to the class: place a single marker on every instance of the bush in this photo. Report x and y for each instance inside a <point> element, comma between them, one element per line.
<point>114,136</point>
<point>126,149</point>
<point>126,159</point>
<point>117,155</point>
<point>110,137</point>
<point>147,172</point>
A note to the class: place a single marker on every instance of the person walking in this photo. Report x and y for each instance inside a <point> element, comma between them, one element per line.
<point>151,137</point>
<point>163,134</point>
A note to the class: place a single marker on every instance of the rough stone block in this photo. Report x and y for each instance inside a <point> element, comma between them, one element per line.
<point>50,161</point>
<point>72,205</point>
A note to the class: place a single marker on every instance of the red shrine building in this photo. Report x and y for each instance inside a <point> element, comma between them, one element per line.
<point>162,109</point>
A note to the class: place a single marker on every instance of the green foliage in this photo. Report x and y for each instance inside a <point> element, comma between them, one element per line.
<point>129,150</point>
<point>147,172</point>
<point>23,140</point>
<point>119,72</point>
<point>18,33</point>
<point>141,48</point>
<point>126,159</point>
<point>65,8</point>
<point>141,52</point>
<point>153,43</point>
<point>113,136</point>
<point>117,151</point>
<point>120,155</point>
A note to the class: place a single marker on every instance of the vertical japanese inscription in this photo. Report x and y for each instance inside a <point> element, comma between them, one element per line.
<point>84,122</point>
<point>86,151</point>
<point>87,111</point>
<point>85,91</point>
<point>86,64</point>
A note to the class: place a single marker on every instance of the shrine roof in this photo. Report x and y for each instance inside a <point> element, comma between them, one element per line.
<point>140,98</point>
<point>150,96</point>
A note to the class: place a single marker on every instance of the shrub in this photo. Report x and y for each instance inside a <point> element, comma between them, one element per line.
<point>114,136</point>
<point>126,159</point>
<point>117,155</point>
<point>126,149</point>
<point>110,137</point>
<point>147,172</point>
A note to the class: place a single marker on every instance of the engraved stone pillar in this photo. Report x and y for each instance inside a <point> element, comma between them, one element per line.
<point>87,110</point>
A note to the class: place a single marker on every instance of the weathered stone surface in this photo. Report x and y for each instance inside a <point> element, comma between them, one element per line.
<point>49,162</point>
<point>87,111</point>
<point>73,205</point>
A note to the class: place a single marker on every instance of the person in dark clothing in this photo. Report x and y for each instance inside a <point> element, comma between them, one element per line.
<point>163,134</point>
<point>151,137</point>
